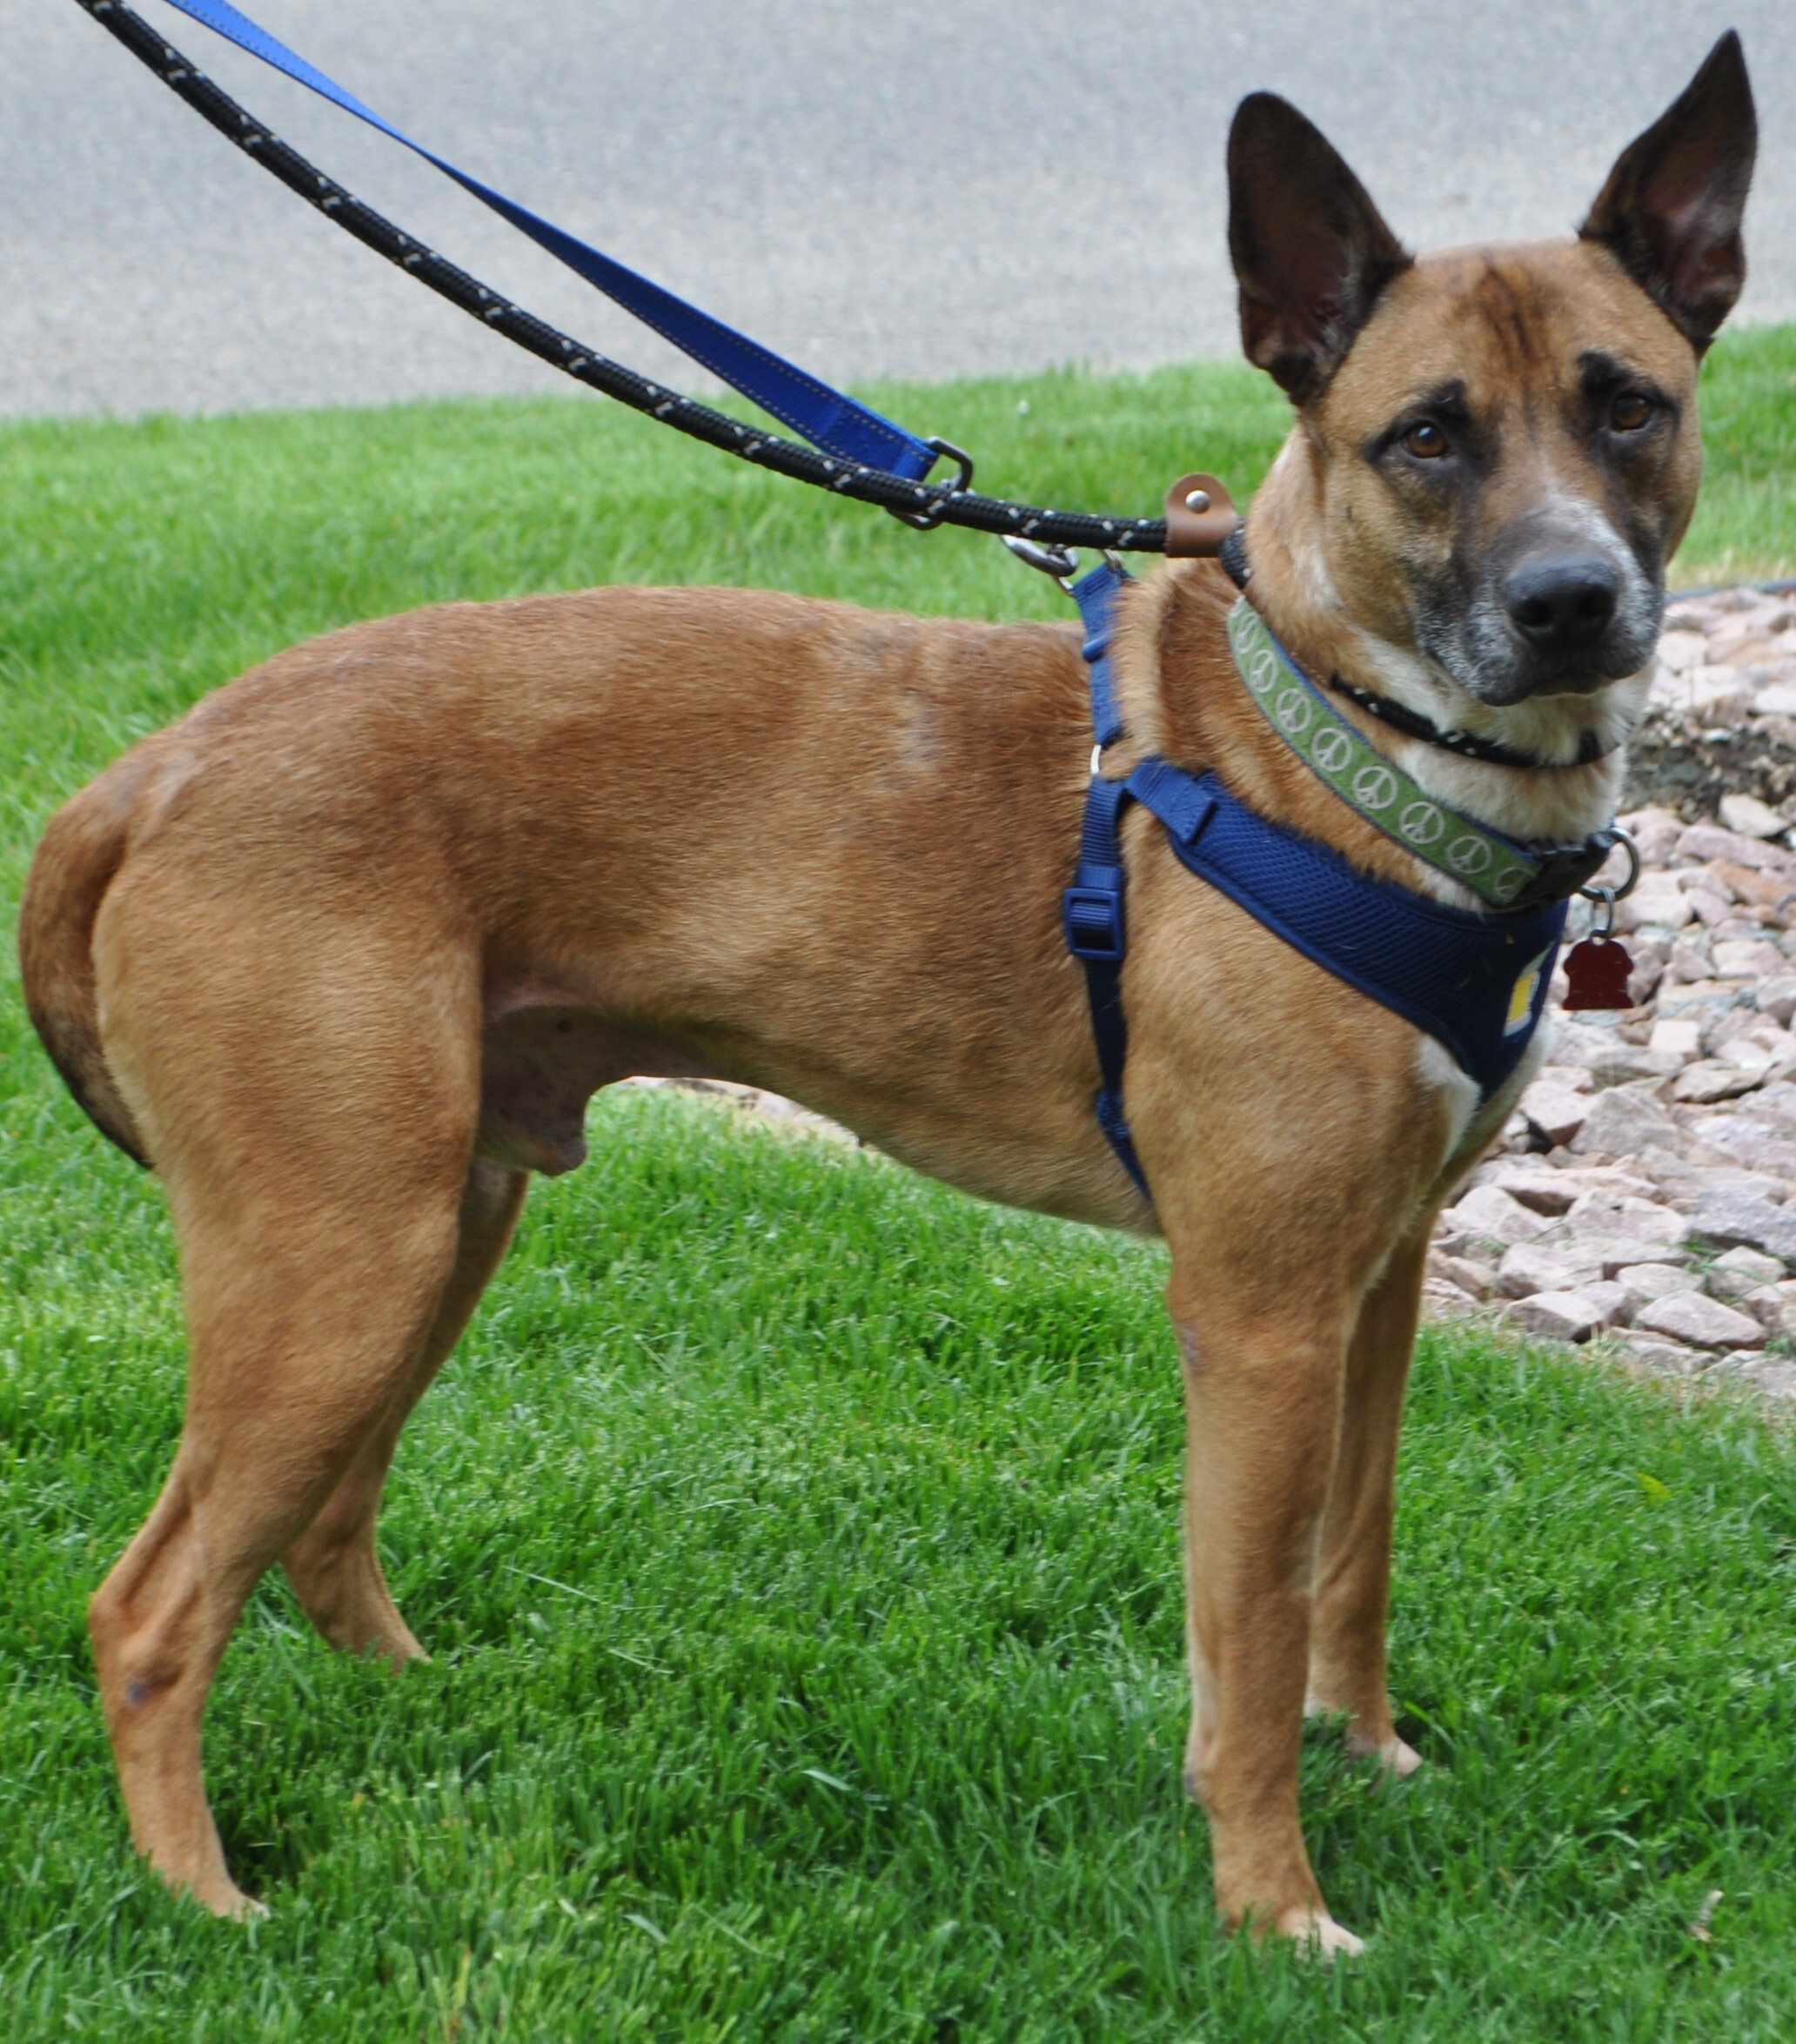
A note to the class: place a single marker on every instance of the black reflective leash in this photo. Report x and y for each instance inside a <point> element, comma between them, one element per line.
<point>920,503</point>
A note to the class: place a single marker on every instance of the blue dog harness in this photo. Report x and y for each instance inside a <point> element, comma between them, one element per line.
<point>1475,982</point>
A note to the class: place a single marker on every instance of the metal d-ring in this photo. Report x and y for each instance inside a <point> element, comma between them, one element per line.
<point>1605,898</point>
<point>926,521</point>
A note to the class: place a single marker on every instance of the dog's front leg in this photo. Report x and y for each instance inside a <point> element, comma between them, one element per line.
<point>1347,1663</point>
<point>1263,1402</point>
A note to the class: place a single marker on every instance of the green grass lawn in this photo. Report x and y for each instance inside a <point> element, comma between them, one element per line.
<point>797,1539</point>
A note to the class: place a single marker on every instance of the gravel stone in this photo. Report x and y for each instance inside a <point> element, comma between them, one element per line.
<point>1683,1036</point>
<point>1615,1302</point>
<point>1668,1358</point>
<point>1751,817</point>
<point>1732,1219</point>
<point>1711,1080</point>
<point>1704,843</point>
<point>1742,1270</point>
<point>1530,1267</point>
<point>1623,1123</point>
<point>1555,1112</point>
<point>1441,1300</point>
<point>1653,1281</point>
<point>1777,998</point>
<point>1773,1375</point>
<point>1599,1215</point>
<point>1487,1215</point>
<point>1700,1323</point>
<point>1534,1183</point>
<point>1617,1253</point>
<point>1557,1316</point>
<point>1776,1104</point>
<point>1477,1280</point>
<point>1771,1150</point>
<point>1657,901</point>
<point>1766,1304</point>
<point>1552,1189</point>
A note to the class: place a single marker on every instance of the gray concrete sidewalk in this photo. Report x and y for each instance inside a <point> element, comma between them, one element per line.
<point>927,189</point>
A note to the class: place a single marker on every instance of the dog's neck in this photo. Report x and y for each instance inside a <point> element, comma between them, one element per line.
<point>1297,595</point>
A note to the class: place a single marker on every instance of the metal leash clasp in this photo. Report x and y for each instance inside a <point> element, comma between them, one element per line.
<point>1060,563</point>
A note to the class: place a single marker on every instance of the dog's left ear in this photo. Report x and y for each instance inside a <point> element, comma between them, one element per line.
<point>1670,210</point>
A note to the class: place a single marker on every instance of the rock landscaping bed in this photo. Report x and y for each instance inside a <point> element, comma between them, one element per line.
<point>1721,719</point>
<point>1641,1196</point>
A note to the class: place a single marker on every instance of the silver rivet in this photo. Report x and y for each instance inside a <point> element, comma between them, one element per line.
<point>1199,500</point>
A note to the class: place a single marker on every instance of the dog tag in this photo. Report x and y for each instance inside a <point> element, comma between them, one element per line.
<point>1598,969</point>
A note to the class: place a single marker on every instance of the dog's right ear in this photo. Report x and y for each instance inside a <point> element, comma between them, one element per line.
<point>1311,253</point>
<point>1671,211</point>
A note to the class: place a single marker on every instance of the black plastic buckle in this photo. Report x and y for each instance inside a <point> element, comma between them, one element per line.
<point>1094,923</point>
<point>1566,869</point>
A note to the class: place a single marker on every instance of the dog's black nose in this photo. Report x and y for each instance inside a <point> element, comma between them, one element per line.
<point>1562,602</point>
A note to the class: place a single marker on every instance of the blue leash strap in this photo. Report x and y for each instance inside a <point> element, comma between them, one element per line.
<point>1092,908</point>
<point>827,418</point>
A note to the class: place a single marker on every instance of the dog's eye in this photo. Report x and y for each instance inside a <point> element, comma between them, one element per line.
<point>1630,413</point>
<point>1425,441</point>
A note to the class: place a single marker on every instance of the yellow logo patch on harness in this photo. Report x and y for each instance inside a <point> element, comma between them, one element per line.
<point>1521,1001</point>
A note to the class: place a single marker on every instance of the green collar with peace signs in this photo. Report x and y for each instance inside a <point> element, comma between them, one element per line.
<point>1505,873</point>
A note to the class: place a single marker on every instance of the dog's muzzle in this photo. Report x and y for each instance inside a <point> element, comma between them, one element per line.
<point>1558,621</point>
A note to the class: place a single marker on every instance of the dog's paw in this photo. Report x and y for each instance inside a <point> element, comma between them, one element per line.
<point>220,1895</point>
<point>1396,1756</point>
<point>1317,1936</point>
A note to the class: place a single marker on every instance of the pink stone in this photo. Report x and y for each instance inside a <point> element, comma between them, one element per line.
<point>1555,1112</point>
<point>1701,1322</point>
<point>1487,1215</point>
<point>1658,901</point>
<point>1557,1317</point>
<point>1683,1036</point>
<point>1703,841</point>
<point>1531,1267</point>
<point>1653,1281</point>
<point>1671,1358</point>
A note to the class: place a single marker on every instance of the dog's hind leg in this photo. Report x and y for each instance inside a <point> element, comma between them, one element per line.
<point>1347,1664</point>
<point>334,1566</point>
<point>317,1188</point>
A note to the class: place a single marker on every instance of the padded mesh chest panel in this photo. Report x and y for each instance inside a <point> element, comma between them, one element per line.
<point>1476,983</point>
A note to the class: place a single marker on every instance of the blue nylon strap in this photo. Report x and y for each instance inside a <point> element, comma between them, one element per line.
<point>1096,595</point>
<point>1093,908</point>
<point>827,418</point>
<point>1476,983</point>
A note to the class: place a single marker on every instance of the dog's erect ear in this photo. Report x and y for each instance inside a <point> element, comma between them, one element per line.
<point>1311,253</point>
<point>1670,210</point>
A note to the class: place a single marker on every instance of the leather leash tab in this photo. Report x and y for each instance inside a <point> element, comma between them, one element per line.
<point>1200,515</point>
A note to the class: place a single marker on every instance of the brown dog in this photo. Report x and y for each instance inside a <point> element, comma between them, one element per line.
<point>344,954</point>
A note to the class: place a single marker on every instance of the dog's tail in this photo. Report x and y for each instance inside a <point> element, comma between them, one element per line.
<point>76,864</point>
